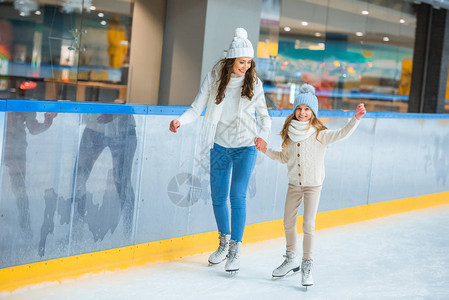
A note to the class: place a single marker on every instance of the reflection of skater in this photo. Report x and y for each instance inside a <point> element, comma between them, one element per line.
<point>15,156</point>
<point>119,134</point>
<point>305,140</point>
<point>232,94</point>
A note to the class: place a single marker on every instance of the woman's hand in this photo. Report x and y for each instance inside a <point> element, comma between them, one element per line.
<point>360,111</point>
<point>261,145</point>
<point>174,125</point>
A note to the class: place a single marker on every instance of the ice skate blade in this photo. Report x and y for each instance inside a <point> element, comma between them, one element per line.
<point>232,273</point>
<point>306,286</point>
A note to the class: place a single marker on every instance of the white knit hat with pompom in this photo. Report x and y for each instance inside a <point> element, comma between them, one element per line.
<point>240,45</point>
<point>306,95</point>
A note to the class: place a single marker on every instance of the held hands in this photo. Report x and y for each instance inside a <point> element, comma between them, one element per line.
<point>360,111</point>
<point>261,145</point>
<point>174,125</point>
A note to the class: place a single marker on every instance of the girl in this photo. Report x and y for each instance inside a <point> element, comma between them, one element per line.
<point>232,94</point>
<point>304,142</point>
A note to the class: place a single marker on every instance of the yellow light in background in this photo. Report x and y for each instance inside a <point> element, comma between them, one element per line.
<point>367,53</point>
<point>265,50</point>
<point>351,70</point>
<point>370,64</point>
<point>337,63</point>
<point>319,46</point>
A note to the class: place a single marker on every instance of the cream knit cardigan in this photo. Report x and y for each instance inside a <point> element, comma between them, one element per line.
<point>305,160</point>
<point>247,109</point>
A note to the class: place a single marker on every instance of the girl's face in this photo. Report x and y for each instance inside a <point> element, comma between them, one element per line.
<point>303,113</point>
<point>241,65</point>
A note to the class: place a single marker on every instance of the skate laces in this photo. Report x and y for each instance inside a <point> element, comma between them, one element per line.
<point>286,261</point>
<point>307,267</point>
<point>223,244</point>
<point>221,248</point>
<point>232,255</point>
<point>233,251</point>
<point>223,240</point>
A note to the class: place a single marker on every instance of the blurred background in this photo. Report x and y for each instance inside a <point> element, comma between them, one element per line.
<point>158,51</point>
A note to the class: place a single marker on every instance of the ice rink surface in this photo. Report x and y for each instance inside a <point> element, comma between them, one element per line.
<point>404,256</point>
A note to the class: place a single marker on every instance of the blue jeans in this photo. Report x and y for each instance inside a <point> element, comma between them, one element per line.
<point>241,161</point>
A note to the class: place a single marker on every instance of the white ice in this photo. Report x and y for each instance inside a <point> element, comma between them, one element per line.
<point>404,256</point>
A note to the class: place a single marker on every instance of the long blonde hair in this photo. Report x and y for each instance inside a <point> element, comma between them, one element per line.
<point>225,66</point>
<point>314,121</point>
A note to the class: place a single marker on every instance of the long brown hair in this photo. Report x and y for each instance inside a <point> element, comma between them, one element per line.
<point>314,121</point>
<point>225,66</point>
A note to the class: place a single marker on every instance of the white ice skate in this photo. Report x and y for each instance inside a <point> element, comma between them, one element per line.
<point>233,262</point>
<point>220,254</point>
<point>306,271</point>
<point>290,264</point>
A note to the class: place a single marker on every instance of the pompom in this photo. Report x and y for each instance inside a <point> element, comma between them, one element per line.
<point>306,88</point>
<point>241,33</point>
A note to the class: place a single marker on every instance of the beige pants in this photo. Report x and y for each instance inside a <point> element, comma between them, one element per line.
<point>294,198</point>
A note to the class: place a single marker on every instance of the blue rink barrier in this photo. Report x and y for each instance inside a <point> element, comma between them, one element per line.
<point>102,108</point>
<point>105,176</point>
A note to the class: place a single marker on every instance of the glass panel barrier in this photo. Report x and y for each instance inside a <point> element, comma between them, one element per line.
<point>106,181</point>
<point>79,182</point>
<point>69,183</point>
<point>37,184</point>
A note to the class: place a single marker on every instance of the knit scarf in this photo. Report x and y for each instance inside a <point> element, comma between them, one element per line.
<point>299,131</point>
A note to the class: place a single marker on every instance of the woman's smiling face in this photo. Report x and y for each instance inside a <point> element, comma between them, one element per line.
<point>241,65</point>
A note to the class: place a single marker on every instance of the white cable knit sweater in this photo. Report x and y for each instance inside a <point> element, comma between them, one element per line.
<point>243,117</point>
<point>305,160</point>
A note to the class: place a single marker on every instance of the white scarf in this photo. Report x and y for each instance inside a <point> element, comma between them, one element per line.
<point>299,131</point>
<point>213,111</point>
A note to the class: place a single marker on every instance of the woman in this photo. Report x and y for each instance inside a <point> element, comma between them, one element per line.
<point>232,94</point>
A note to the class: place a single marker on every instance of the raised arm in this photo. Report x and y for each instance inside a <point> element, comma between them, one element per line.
<point>34,127</point>
<point>331,136</point>
<point>197,107</point>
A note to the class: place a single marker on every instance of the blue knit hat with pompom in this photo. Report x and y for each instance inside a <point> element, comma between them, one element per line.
<point>306,95</point>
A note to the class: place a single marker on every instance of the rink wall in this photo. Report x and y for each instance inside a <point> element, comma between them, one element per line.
<point>108,186</point>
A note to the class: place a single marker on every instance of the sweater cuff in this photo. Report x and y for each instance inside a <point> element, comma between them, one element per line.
<point>270,153</point>
<point>263,134</point>
<point>184,119</point>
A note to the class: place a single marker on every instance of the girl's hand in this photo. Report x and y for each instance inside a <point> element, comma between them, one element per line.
<point>360,111</point>
<point>174,125</point>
